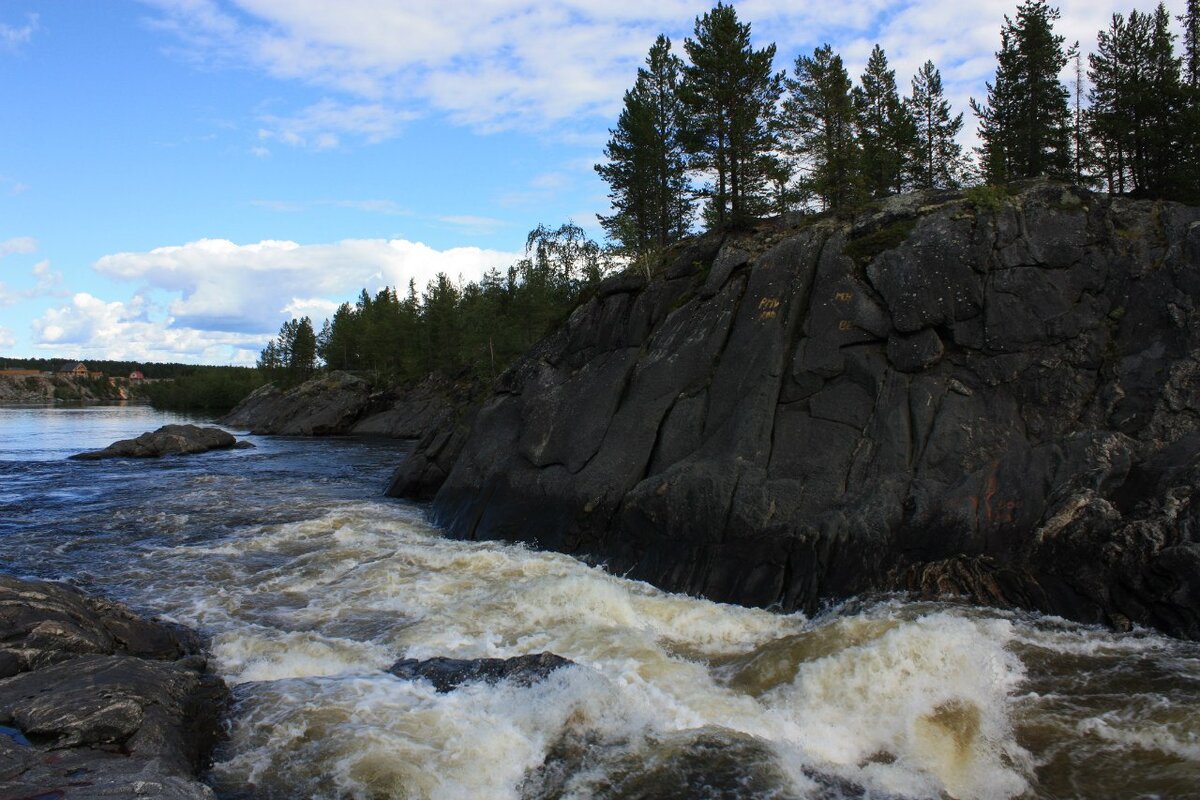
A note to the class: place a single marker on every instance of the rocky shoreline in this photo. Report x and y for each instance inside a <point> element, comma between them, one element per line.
<point>98,702</point>
<point>995,398</point>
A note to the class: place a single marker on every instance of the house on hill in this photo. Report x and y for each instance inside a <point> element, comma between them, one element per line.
<point>137,375</point>
<point>76,370</point>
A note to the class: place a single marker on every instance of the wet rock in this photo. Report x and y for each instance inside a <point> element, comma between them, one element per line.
<point>703,763</point>
<point>447,674</point>
<point>993,403</point>
<point>97,702</point>
<point>167,440</point>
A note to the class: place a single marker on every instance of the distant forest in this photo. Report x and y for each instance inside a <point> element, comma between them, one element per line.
<point>721,139</point>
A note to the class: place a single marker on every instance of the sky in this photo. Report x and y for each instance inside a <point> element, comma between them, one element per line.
<point>179,177</point>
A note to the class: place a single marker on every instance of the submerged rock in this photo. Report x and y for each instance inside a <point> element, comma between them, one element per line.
<point>166,440</point>
<point>996,403</point>
<point>97,702</point>
<point>447,674</point>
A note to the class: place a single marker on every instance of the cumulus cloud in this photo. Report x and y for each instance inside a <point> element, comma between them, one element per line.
<point>91,327</point>
<point>7,340</point>
<point>223,286</point>
<point>564,65</point>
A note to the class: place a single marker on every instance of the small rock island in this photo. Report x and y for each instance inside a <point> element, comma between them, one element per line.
<point>168,439</point>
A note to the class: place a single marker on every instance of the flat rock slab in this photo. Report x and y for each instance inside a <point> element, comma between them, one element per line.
<point>447,674</point>
<point>97,702</point>
<point>165,440</point>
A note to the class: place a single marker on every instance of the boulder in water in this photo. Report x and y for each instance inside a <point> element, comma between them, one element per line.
<point>447,674</point>
<point>167,439</point>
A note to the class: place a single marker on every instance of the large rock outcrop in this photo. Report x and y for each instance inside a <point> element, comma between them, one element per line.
<point>340,403</point>
<point>96,702</point>
<point>992,397</point>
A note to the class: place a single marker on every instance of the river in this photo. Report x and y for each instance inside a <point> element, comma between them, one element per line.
<point>310,584</point>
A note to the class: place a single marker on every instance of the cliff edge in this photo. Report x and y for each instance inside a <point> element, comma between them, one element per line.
<point>993,395</point>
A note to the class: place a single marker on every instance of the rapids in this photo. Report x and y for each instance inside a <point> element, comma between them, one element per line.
<point>309,586</point>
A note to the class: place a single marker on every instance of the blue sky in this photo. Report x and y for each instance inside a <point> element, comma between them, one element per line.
<point>178,177</point>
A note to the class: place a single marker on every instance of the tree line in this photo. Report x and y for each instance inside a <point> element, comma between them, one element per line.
<point>725,136</point>
<point>722,138</point>
<point>470,329</point>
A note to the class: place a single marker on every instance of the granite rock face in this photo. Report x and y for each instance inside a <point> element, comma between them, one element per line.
<point>167,440</point>
<point>96,702</point>
<point>995,403</point>
<point>340,403</point>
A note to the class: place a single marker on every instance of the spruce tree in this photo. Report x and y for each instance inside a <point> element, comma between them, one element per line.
<point>1025,126</point>
<point>936,160</point>
<point>818,125</point>
<point>886,132</point>
<point>730,92</point>
<point>646,169</point>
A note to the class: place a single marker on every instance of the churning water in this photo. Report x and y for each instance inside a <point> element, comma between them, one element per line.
<point>310,586</point>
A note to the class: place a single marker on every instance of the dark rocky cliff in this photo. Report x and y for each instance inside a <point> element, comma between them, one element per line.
<point>996,399</point>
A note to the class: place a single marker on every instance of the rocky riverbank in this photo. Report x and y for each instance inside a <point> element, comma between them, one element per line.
<point>97,702</point>
<point>42,389</point>
<point>340,403</point>
<point>993,396</point>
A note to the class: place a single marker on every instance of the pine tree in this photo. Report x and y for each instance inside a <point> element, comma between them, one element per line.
<point>1025,126</point>
<point>936,160</point>
<point>1164,103</point>
<point>1189,118</point>
<point>1190,20</point>
<point>818,125</point>
<point>646,167</point>
<point>1138,116</point>
<point>886,131</point>
<point>730,93</point>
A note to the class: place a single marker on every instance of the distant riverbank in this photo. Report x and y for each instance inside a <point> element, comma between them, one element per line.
<point>38,389</point>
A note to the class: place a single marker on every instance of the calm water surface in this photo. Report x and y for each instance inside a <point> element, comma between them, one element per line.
<point>310,584</point>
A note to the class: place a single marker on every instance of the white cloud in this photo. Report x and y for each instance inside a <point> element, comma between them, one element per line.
<point>91,327</point>
<point>223,286</point>
<point>13,37</point>
<point>18,244</point>
<point>322,125</point>
<point>562,66</point>
<point>7,340</point>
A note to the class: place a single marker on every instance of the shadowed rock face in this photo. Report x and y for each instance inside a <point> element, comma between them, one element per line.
<point>998,404</point>
<point>98,702</point>
<point>340,403</point>
<point>167,440</point>
<point>447,674</point>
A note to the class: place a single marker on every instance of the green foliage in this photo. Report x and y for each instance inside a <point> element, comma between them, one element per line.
<point>863,249</point>
<point>1025,125</point>
<point>212,389</point>
<point>474,330</point>
<point>885,127</point>
<point>1139,117</point>
<point>646,169</point>
<point>730,92</point>
<point>936,158</point>
<point>291,358</point>
<point>818,123</point>
<point>988,197</point>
